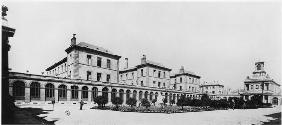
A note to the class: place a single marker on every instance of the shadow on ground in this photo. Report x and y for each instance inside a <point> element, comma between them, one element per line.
<point>276,121</point>
<point>29,116</point>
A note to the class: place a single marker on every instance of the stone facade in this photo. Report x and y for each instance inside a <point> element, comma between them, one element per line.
<point>260,83</point>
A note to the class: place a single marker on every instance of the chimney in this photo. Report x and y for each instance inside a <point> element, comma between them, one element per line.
<point>143,59</point>
<point>73,40</point>
<point>126,63</point>
<point>181,69</point>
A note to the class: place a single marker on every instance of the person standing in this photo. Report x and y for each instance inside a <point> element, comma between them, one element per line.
<point>53,102</point>
<point>233,104</point>
<point>81,104</point>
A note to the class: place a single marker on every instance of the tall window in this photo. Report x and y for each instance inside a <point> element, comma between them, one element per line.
<point>154,82</point>
<point>154,72</point>
<point>108,77</point>
<point>74,92</point>
<point>84,92</point>
<point>132,75</point>
<point>142,74</point>
<point>99,61</point>
<point>49,90</point>
<point>159,74</point>
<point>98,76</point>
<point>164,85</point>
<point>94,92</point>
<point>89,60</point>
<point>88,75</point>
<point>180,79</point>
<point>159,84</point>
<point>108,63</point>
<point>35,90</point>
<point>142,83</point>
<point>19,90</point>
<point>62,91</point>
<point>164,74</point>
<point>180,87</point>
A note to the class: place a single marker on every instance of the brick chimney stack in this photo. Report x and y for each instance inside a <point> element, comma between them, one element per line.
<point>143,59</point>
<point>73,40</point>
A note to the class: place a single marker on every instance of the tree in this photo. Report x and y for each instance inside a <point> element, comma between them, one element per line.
<point>165,101</point>
<point>205,100</point>
<point>131,101</point>
<point>154,101</point>
<point>117,101</point>
<point>145,102</point>
<point>101,101</point>
<point>172,102</point>
<point>181,102</point>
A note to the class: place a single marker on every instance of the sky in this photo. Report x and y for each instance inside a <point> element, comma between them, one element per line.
<point>220,41</point>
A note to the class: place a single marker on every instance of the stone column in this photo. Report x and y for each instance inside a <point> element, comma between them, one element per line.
<point>42,93</point>
<point>68,94</point>
<point>79,93</point>
<point>89,96</point>
<point>109,97</point>
<point>56,94</point>
<point>124,98</point>
<point>11,90</point>
<point>27,94</point>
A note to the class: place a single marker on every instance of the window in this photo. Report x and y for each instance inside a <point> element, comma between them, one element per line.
<point>174,86</point>
<point>62,92</point>
<point>142,72</point>
<point>164,85</point>
<point>35,90</point>
<point>180,79</point>
<point>99,61</point>
<point>126,76</point>
<point>108,77</point>
<point>141,83</point>
<point>180,87</point>
<point>252,86</point>
<point>154,73</point>
<point>49,90</point>
<point>98,76</point>
<point>154,82</point>
<point>88,76</point>
<point>108,63</point>
<point>212,92</point>
<point>159,74</point>
<point>89,60</point>
<point>257,86</point>
<point>84,92</point>
<point>74,92</point>
<point>132,75</point>
<point>164,74</point>
<point>159,84</point>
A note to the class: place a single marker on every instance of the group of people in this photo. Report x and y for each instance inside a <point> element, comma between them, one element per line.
<point>81,103</point>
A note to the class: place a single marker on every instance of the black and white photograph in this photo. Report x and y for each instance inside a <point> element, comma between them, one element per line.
<point>136,62</point>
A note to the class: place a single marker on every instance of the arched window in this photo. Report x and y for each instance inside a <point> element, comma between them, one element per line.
<point>74,92</point>
<point>113,94</point>
<point>156,95</point>
<point>49,91</point>
<point>146,95</point>
<point>62,89</point>
<point>121,92</point>
<point>127,94</point>
<point>105,92</point>
<point>35,91</point>
<point>94,92</point>
<point>151,95</point>
<point>19,90</point>
<point>134,94</point>
<point>140,95</point>
<point>84,92</point>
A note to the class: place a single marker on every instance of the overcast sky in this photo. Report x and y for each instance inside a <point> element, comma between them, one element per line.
<point>218,41</point>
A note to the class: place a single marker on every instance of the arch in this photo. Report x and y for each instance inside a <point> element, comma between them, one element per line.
<point>146,95</point>
<point>156,95</point>
<point>35,91</point>
<point>113,94</point>
<point>134,95</point>
<point>62,91</point>
<point>121,92</point>
<point>140,95</point>
<point>151,96</point>
<point>128,94</point>
<point>84,95</point>
<point>105,92</point>
<point>275,101</point>
<point>49,91</point>
<point>74,92</point>
<point>94,92</point>
<point>19,90</point>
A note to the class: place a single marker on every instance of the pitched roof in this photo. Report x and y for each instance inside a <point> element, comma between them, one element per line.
<point>90,46</point>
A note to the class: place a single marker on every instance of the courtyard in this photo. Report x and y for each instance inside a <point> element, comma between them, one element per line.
<point>70,114</point>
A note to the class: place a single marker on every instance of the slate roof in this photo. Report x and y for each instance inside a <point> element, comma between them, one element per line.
<point>90,46</point>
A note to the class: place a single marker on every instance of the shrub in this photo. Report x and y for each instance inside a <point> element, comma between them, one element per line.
<point>101,101</point>
<point>117,101</point>
<point>165,101</point>
<point>154,101</point>
<point>172,102</point>
<point>205,100</point>
<point>181,102</point>
<point>145,102</point>
<point>131,101</point>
